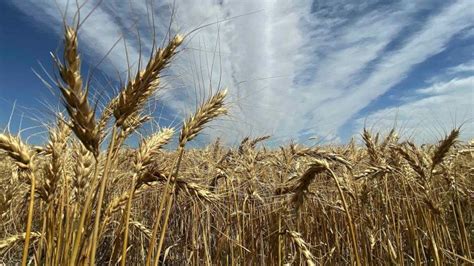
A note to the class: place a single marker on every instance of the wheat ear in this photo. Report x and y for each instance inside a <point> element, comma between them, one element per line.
<point>443,148</point>
<point>21,154</point>
<point>83,167</point>
<point>137,91</point>
<point>9,241</point>
<point>211,109</point>
<point>74,95</point>
<point>83,123</point>
<point>299,188</point>
<point>302,247</point>
<point>55,147</point>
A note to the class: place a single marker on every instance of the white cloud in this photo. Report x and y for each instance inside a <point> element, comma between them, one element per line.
<point>462,68</point>
<point>440,107</point>
<point>394,66</point>
<point>294,68</point>
<point>97,36</point>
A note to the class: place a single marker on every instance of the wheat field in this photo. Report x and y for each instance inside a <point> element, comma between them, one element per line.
<point>84,198</point>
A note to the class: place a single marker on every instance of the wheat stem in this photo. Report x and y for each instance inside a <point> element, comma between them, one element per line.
<point>29,220</point>
<point>103,182</point>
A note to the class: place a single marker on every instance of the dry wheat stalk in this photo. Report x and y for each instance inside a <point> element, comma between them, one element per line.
<point>130,125</point>
<point>412,160</point>
<point>255,141</point>
<point>147,150</point>
<point>5,201</point>
<point>243,144</point>
<point>199,191</point>
<point>196,190</point>
<point>208,111</point>
<point>374,171</point>
<point>371,146</point>
<point>151,175</point>
<point>21,153</point>
<point>23,158</point>
<point>391,138</point>
<point>107,113</point>
<point>142,228</point>
<point>322,154</point>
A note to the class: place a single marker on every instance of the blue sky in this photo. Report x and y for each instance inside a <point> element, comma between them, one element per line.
<point>294,69</point>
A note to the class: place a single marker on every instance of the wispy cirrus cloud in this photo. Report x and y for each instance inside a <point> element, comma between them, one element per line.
<point>438,108</point>
<point>295,69</point>
<point>467,67</point>
<point>395,65</point>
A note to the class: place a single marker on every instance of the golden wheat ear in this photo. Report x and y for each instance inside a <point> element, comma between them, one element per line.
<point>150,146</point>
<point>443,147</point>
<point>21,153</point>
<point>208,111</point>
<point>12,240</point>
<point>302,247</point>
<point>75,96</point>
<point>83,168</point>
<point>300,187</point>
<point>132,98</point>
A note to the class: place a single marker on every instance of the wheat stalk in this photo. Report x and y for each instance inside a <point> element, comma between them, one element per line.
<point>150,147</point>
<point>147,150</point>
<point>208,111</point>
<point>299,187</point>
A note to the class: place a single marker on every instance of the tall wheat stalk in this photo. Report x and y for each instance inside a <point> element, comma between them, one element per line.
<point>146,153</point>
<point>208,111</point>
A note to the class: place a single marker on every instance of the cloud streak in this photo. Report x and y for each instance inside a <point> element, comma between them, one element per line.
<point>443,106</point>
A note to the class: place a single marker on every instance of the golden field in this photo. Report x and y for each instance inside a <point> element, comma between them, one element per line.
<point>85,198</point>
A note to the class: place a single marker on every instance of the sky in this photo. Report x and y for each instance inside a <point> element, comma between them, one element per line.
<point>308,71</point>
